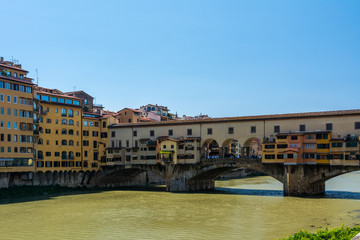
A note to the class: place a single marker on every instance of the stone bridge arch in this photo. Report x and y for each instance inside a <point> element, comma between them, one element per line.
<point>202,176</point>
<point>123,175</point>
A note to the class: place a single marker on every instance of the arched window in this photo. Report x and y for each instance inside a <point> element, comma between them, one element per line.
<point>40,155</point>
<point>63,131</point>
<point>104,124</point>
<point>71,155</point>
<point>63,155</point>
<point>63,112</point>
<point>71,122</point>
<point>71,143</point>
<point>71,113</point>
<point>63,121</point>
<point>40,130</point>
<point>40,119</point>
<point>40,141</point>
<point>71,132</point>
<point>64,142</point>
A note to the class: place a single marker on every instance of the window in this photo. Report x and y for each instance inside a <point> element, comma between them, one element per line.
<point>8,98</point>
<point>15,99</point>
<point>302,128</point>
<point>336,144</point>
<point>9,111</point>
<point>64,142</point>
<point>309,145</point>
<point>170,132</point>
<point>9,125</point>
<point>61,100</point>
<point>71,113</point>
<point>189,132</point>
<point>86,143</point>
<point>15,125</point>
<point>2,111</point>
<point>231,130</point>
<point>95,133</point>
<point>1,97</point>
<point>47,130</point>
<point>85,133</point>
<point>63,111</point>
<point>95,145</point>
<point>69,101</point>
<point>329,127</point>
<point>294,137</point>
<point>48,120</point>
<point>135,133</point>
<point>9,137</point>
<point>357,125</point>
<point>112,133</point>
<point>71,132</point>
<point>48,154</point>
<point>253,129</point>
<point>15,112</point>
<point>152,133</point>
<point>53,99</point>
<point>63,121</point>
<point>45,98</point>
<point>277,129</point>
<point>209,131</point>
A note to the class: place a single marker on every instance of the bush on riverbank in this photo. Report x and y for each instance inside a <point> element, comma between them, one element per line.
<point>343,233</point>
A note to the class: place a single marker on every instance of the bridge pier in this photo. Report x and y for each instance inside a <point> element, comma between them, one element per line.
<point>298,181</point>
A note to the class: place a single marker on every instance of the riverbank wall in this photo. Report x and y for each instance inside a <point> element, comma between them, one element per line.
<point>94,179</point>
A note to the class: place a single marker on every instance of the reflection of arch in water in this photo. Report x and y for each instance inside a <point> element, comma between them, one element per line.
<point>252,147</point>
<point>230,148</point>
<point>210,148</point>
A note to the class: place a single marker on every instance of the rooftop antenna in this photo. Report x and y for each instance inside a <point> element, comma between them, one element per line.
<point>12,58</point>
<point>74,88</point>
<point>37,77</point>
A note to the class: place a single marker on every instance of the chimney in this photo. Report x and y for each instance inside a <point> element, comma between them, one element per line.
<point>1,59</point>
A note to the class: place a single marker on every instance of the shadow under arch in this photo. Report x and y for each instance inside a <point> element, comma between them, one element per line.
<point>136,175</point>
<point>216,172</point>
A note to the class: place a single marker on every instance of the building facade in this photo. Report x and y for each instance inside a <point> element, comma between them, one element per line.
<point>18,117</point>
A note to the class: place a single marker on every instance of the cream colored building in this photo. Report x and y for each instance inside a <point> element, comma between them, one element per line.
<point>217,134</point>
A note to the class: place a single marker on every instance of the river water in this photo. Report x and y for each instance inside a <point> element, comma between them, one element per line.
<point>251,208</point>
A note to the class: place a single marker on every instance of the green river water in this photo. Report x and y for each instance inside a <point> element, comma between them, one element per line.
<point>251,208</point>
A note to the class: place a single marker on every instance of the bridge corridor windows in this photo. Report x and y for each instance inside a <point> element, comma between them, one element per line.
<point>276,129</point>
<point>253,129</point>
<point>329,127</point>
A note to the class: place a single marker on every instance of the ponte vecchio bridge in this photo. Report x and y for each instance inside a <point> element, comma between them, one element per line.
<point>301,150</point>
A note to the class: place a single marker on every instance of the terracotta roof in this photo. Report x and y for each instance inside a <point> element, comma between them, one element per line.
<point>18,79</point>
<point>56,94</point>
<point>147,119</point>
<point>248,118</point>
<point>13,67</point>
<point>133,110</point>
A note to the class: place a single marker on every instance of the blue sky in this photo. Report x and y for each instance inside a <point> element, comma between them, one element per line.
<point>221,58</point>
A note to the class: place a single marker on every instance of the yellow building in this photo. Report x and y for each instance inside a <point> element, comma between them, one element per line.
<point>95,139</point>
<point>16,119</point>
<point>58,135</point>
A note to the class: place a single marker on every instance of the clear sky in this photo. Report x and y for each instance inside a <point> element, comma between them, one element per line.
<point>221,58</point>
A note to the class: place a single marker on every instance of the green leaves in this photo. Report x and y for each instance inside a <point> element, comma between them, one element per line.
<point>340,233</point>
